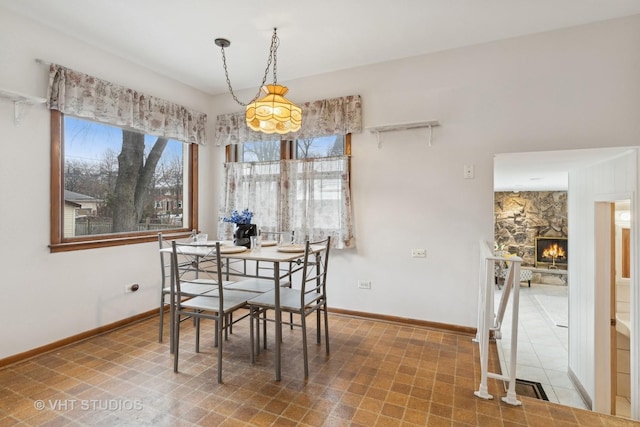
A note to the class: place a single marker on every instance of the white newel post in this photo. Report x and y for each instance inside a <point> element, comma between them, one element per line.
<point>491,321</point>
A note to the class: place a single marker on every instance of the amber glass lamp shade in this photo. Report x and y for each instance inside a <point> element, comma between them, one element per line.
<point>273,113</point>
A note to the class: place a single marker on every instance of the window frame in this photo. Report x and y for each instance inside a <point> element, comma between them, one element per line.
<point>61,244</point>
<point>287,150</point>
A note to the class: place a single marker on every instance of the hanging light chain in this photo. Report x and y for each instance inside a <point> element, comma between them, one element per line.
<point>272,58</point>
<point>275,42</point>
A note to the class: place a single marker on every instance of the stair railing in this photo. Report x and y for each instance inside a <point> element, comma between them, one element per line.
<point>490,320</point>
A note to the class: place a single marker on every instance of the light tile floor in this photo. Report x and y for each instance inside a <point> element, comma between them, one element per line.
<point>542,344</point>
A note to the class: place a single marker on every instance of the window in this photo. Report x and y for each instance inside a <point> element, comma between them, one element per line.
<point>305,185</point>
<point>112,185</point>
<point>309,177</point>
<point>260,151</point>
<point>325,146</point>
<point>304,148</point>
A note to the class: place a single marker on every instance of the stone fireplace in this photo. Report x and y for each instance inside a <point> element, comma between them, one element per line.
<point>522,217</point>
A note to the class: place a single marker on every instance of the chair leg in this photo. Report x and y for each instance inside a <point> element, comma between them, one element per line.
<point>226,323</point>
<point>197,320</point>
<point>318,324</point>
<point>304,345</point>
<point>172,323</point>
<point>215,343</point>
<point>175,341</point>
<point>161,327</point>
<point>326,326</point>
<point>264,329</point>
<point>252,358</point>
<point>219,335</point>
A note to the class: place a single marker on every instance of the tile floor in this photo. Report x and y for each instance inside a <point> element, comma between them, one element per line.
<point>378,374</point>
<point>542,344</point>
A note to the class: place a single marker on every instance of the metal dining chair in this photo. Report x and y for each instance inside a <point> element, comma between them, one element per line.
<point>216,305</point>
<point>185,264</point>
<point>284,237</point>
<point>309,298</point>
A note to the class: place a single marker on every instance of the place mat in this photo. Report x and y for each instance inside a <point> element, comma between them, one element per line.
<point>208,243</point>
<point>269,243</point>
<point>291,248</point>
<point>232,249</point>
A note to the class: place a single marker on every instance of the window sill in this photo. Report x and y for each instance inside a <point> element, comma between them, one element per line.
<point>111,241</point>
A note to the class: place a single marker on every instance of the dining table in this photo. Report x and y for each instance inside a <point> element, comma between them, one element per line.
<point>274,255</point>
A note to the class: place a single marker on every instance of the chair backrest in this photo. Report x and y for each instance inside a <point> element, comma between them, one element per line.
<point>209,252</point>
<point>165,257</point>
<point>314,269</point>
<point>165,266</point>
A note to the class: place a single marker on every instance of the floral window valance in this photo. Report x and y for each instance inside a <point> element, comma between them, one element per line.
<point>81,95</point>
<point>336,116</point>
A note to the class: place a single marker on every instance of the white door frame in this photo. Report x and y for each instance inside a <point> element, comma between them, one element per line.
<point>602,311</point>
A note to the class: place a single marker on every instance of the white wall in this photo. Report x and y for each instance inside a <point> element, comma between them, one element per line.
<point>577,88</point>
<point>589,314</point>
<point>47,297</point>
<point>569,89</point>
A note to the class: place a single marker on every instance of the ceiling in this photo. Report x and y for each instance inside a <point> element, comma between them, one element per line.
<point>176,39</point>
<point>545,170</point>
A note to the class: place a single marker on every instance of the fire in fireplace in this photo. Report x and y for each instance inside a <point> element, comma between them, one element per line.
<point>551,251</point>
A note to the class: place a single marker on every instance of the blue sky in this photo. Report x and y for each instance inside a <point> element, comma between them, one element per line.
<point>87,141</point>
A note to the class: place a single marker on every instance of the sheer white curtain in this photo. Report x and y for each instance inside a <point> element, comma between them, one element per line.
<point>310,196</point>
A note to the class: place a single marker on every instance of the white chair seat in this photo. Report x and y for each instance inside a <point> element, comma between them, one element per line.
<point>232,301</point>
<point>308,298</point>
<point>195,289</point>
<point>251,285</point>
<point>289,299</point>
<point>198,286</point>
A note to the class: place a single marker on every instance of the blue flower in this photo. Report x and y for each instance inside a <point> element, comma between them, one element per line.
<point>239,218</point>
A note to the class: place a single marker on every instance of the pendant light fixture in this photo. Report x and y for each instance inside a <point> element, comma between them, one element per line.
<point>272,113</point>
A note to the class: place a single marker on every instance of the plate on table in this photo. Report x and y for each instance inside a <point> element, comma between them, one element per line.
<point>269,243</point>
<point>232,249</point>
<point>291,248</point>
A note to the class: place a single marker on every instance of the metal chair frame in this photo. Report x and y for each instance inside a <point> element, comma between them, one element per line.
<point>311,297</point>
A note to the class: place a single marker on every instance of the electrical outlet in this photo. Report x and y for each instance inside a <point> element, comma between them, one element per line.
<point>419,253</point>
<point>364,284</point>
<point>131,288</point>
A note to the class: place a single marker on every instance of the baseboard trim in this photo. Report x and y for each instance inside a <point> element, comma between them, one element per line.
<point>464,330</point>
<point>581,390</point>
<point>20,357</point>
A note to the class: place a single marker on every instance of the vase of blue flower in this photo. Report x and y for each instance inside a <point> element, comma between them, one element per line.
<point>244,229</point>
